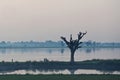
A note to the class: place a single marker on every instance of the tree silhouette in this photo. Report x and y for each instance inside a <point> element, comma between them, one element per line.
<point>73,45</point>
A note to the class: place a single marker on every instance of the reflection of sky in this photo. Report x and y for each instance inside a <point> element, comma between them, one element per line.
<point>58,54</point>
<point>79,71</point>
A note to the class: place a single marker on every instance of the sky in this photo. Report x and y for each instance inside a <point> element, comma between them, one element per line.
<point>40,20</point>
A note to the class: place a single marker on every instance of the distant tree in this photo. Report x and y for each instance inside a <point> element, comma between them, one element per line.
<point>3,42</point>
<point>89,43</point>
<point>62,44</point>
<point>73,45</point>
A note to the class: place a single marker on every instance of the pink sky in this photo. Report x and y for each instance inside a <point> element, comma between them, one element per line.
<point>41,20</point>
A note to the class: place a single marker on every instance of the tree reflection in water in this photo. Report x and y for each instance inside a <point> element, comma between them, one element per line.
<point>101,66</point>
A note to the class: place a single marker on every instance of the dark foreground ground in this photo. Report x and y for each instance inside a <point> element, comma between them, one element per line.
<point>60,77</point>
<point>101,65</point>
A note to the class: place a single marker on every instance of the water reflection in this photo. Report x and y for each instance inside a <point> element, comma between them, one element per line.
<point>27,50</point>
<point>62,50</point>
<point>65,71</point>
<point>57,54</point>
<point>52,50</point>
<point>48,50</point>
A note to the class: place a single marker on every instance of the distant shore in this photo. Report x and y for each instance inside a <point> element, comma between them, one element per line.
<point>56,44</point>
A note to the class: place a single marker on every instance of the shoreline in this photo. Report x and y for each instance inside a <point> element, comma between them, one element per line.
<point>101,65</point>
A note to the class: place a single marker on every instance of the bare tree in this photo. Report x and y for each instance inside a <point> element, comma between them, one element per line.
<point>73,45</point>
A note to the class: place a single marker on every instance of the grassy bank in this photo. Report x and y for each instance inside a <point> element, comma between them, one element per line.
<point>60,77</point>
<point>105,65</point>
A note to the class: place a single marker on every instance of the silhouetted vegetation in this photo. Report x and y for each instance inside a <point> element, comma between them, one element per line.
<point>58,44</point>
<point>73,45</point>
<point>102,65</point>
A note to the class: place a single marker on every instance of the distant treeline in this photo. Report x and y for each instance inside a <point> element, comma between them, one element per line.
<point>55,44</point>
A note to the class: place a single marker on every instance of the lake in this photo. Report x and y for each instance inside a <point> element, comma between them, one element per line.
<point>58,54</point>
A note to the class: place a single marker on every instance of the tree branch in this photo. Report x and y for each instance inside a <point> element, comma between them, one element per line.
<point>70,37</point>
<point>80,43</point>
<point>64,39</point>
<point>80,35</point>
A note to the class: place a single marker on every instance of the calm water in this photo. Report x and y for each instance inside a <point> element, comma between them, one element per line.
<point>58,54</point>
<point>79,71</point>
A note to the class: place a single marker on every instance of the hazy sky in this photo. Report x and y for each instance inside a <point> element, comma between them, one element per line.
<point>41,20</point>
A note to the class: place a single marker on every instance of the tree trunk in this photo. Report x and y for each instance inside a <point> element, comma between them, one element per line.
<point>72,56</point>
